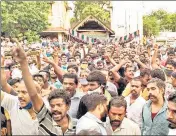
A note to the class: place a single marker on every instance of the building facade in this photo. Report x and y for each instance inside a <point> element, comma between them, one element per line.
<point>59,18</point>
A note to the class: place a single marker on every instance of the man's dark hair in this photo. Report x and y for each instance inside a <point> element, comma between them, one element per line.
<point>170,62</point>
<point>82,109</point>
<point>47,73</point>
<point>117,101</point>
<point>70,75</point>
<point>60,93</point>
<point>84,60</point>
<point>38,75</point>
<point>127,68</point>
<point>75,67</point>
<point>77,54</point>
<point>94,99</point>
<point>97,76</point>
<point>172,97</point>
<point>159,83</point>
<point>63,54</point>
<point>71,58</point>
<point>145,72</point>
<point>170,52</point>
<point>158,73</point>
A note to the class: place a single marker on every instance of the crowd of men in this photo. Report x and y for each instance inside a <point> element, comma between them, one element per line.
<point>72,88</point>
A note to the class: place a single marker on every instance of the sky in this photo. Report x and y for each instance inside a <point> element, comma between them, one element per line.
<point>148,6</point>
<point>169,6</point>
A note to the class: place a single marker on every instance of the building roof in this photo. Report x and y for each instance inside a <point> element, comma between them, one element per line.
<point>55,29</point>
<point>75,26</point>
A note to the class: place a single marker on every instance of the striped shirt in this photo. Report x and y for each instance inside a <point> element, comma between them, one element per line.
<point>47,126</point>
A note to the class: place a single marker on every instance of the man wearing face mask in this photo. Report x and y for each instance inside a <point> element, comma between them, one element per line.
<point>118,124</point>
<point>171,113</point>
<point>97,83</point>
<point>91,123</point>
<point>84,64</point>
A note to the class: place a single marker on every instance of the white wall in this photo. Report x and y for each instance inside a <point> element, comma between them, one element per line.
<point>127,17</point>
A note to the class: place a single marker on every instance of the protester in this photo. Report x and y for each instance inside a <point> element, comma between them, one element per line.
<point>97,109</point>
<point>154,111</point>
<point>59,102</point>
<point>135,102</point>
<point>118,124</point>
<point>73,72</point>
<point>171,113</point>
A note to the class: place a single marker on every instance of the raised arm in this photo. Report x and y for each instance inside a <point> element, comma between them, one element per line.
<point>20,56</point>
<point>116,69</point>
<point>5,86</point>
<point>139,62</point>
<point>154,57</point>
<point>58,71</point>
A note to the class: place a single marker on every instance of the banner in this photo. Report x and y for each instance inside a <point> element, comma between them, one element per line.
<point>128,38</point>
<point>82,38</point>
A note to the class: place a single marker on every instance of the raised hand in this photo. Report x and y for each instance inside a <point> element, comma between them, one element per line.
<point>47,60</point>
<point>19,54</point>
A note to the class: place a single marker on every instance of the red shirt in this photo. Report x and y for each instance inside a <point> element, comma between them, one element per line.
<point>153,115</point>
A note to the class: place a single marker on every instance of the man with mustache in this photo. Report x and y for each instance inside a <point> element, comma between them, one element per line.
<point>118,124</point>
<point>135,102</point>
<point>171,113</point>
<point>56,122</point>
<point>154,111</point>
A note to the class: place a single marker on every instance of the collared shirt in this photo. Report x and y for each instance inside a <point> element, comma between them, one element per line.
<point>134,110</point>
<point>89,124</point>
<point>47,126</point>
<point>157,126</point>
<point>75,100</point>
<point>21,121</point>
<point>127,127</point>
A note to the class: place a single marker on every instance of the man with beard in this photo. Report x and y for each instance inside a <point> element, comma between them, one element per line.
<point>171,113</point>
<point>91,123</point>
<point>118,124</point>
<point>154,111</point>
<point>56,122</point>
<point>135,102</point>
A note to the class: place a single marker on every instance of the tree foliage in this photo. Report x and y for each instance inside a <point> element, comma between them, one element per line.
<point>150,25</point>
<point>98,9</point>
<point>24,19</point>
<point>159,20</point>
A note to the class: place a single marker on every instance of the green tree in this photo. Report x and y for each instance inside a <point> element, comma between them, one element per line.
<point>166,20</point>
<point>24,19</point>
<point>150,25</point>
<point>97,9</point>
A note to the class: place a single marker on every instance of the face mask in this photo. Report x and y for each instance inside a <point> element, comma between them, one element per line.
<point>99,90</point>
<point>168,72</point>
<point>48,54</point>
<point>28,106</point>
<point>84,66</point>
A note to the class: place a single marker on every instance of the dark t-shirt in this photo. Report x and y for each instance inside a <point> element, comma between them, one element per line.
<point>122,83</point>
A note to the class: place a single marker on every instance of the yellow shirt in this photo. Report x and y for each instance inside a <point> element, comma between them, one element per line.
<point>7,115</point>
<point>144,93</point>
<point>107,95</point>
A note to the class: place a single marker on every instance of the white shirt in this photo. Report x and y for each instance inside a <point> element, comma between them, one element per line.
<point>172,132</point>
<point>127,127</point>
<point>134,111</point>
<point>21,121</point>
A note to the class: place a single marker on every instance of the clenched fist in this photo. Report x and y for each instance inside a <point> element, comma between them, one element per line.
<point>19,54</point>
